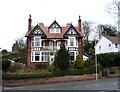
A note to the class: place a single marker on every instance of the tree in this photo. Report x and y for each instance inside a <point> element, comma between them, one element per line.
<point>107,30</point>
<point>88,48</point>
<point>19,45</point>
<point>61,60</point>
<point>113,8</point>
<point>4,51</point>
<point>79,63</point>
<point>87,28</point>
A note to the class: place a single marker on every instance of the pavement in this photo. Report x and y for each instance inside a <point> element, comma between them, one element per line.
<point>100,85</point>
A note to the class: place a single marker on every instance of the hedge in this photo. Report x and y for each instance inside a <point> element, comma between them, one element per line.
<point>109,59</point>
<point>12,76</point>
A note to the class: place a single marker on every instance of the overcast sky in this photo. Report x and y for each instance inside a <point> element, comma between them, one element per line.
<point>14,15</point>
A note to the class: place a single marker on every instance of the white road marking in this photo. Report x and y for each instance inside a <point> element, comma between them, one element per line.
<point>51,89</point>
<point>13,88</point>
<point>8,88</point>
<point>98,85</point>
<point>115,83</point>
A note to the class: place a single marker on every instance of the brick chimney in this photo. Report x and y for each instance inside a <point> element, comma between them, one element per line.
<point>79,24</point>
<point>80,42</point>
<point>29,23</point>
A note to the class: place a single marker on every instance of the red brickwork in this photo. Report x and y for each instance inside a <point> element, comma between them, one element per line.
<point>48,80</point>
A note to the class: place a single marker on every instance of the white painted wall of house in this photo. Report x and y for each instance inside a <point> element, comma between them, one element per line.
<point>105,48</point>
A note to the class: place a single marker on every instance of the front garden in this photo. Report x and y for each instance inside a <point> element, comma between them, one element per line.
<point>62,67</point>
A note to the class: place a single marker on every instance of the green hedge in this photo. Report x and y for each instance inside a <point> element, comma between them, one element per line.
<point>73,71</point>
<point>109,59</point>
<point>12,76</point>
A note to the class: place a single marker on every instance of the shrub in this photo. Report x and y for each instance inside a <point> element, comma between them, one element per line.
<point>41,66</point>
<point>51,67</point>
<point>12,76</point>
<point>79,63</point>
<point>5,64</point>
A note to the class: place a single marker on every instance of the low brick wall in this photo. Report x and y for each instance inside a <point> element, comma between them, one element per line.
<point>47,80</point>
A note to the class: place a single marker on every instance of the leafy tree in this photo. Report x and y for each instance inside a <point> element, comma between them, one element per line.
<point>61,60</point>
<point>79,63</point>
<point>107,30</point>
<point>88,48</point>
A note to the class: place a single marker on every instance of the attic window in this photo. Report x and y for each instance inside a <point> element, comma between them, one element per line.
<point>54,30</point>
<point>99,47</point>
<point>109,45</point>
<point>116,45</point>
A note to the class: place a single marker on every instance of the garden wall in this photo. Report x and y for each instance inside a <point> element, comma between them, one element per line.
<point>33,81</point>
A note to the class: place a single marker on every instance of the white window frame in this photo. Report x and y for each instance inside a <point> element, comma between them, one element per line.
<point>50,42</point>
<point>33,42</point>
<point>45,56</point>
<point>54,30</point>
<point>33,56</point>
<point>74,42</point>
<point>58,43</point>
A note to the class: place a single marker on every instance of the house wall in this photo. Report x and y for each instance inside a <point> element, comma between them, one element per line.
<point>105,46</point>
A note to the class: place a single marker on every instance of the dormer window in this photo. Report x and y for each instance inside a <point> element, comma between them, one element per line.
<point>54,28</point>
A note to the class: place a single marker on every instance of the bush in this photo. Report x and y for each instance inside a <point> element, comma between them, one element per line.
<point>109,59</point>
<point>5,64</point>
<point>12,76</point>
<point>51,68</point>
<point>79,63</point>
<point>41,66</point>
<point>69,71</point>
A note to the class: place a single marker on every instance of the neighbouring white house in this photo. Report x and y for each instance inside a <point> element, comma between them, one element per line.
<point>107,44</point>
<point>85,57</point>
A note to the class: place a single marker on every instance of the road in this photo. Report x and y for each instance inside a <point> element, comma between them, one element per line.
<point>100,84</point>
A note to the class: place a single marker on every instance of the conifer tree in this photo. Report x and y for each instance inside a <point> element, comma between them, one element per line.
<point>61,60</point>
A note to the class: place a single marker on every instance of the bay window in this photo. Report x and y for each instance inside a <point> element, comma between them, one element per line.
<point>45,57</point>
<point>35,56</point>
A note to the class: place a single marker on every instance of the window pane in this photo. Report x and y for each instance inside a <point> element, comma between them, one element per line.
<point>32,56</point>
<point>51,43</point>
<point>71,41</point>
<point>115,45</point>
<point>37,41</point>
<point>37,58</point>
<point>37,53</point>
<point>71,55</point>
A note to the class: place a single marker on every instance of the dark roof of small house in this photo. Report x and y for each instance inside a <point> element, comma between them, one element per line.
<point>113,39</point>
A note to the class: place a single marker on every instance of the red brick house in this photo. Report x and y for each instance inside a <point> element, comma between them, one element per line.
<point>44,41</point>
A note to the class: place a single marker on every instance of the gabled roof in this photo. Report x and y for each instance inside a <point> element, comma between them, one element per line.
<point>55,22</point>
<point>37,31</point>
<point>45,29</point>
<point>113,39</point>
<point>72,31</point>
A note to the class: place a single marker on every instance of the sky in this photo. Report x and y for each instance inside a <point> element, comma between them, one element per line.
<point>14,15</point>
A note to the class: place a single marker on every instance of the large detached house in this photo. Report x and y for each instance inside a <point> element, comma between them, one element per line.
<point>44,41</point>
<point>107,44</point>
